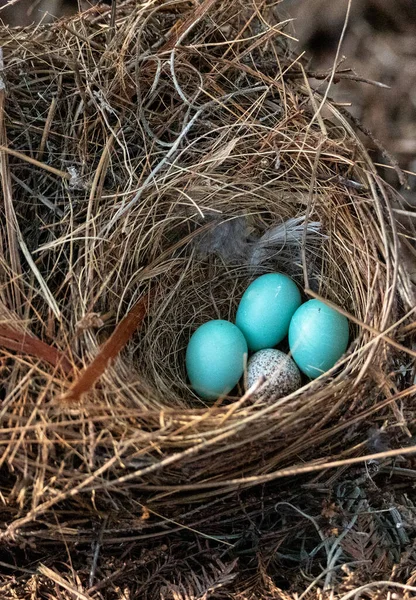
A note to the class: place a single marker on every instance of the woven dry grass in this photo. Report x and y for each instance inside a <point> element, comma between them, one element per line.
<point>130,137</point>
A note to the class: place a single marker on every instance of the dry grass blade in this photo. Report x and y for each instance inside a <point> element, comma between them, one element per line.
<point>378,334</point>
<point>10,225</point>
<point>62,583</point>
<point>36,163</point>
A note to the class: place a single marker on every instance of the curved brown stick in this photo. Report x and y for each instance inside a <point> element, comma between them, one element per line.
<point>108,351</point>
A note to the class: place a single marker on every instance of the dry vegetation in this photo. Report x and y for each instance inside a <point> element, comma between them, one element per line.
<point>129,140</point>
<point>380,45</point>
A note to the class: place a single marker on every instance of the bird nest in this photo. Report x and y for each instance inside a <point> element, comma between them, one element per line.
<point>155,158</point>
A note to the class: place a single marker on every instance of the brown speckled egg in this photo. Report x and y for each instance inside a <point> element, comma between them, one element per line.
<point>281,373</point>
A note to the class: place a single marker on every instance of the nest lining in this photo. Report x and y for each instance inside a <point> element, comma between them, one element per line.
<point>169,128</point>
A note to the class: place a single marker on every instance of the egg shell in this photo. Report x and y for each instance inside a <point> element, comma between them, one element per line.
<point>266,308</point>
<point>215,358</point>
<point>318,337</point>
<point>281,373</point>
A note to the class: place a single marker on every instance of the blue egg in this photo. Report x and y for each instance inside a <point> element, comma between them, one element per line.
<point>266,308</point>
<point>215,358</point>
<point>318,337</point>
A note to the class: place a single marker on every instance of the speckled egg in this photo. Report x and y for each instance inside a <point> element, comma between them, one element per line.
<point>282,375</point>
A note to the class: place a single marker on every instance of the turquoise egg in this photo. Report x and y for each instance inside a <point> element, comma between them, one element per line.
<point>318,337</point>
<point>215,358</point>
<point>266,308</point>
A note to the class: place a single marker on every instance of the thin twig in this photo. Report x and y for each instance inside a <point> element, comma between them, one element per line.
<point>365,326</point>
<point>35,162</point>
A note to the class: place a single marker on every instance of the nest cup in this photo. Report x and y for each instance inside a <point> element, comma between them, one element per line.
<point>179,137</point>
